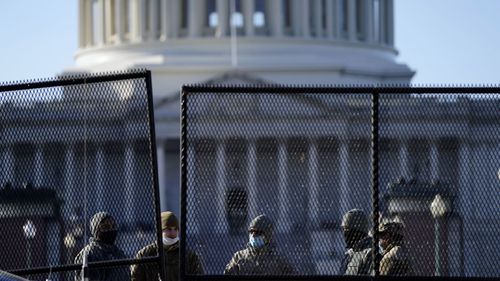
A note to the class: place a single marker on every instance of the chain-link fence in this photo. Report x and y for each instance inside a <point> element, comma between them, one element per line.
<point>351,181</point>
<point>78,174</point>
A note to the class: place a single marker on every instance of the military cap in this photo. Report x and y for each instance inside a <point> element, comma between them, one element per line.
<point>168,219</point>
<point>356,219</point>
<point>262,223</point>
<point>392,227</point>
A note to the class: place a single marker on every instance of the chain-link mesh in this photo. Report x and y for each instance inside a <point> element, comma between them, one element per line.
<point>71,148</point>
<point>303,158</point>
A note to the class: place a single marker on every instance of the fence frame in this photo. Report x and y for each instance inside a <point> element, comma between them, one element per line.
<point>91,79</point>
<point>375,92</point>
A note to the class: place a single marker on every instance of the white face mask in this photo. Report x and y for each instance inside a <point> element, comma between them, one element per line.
<point>170,241</point>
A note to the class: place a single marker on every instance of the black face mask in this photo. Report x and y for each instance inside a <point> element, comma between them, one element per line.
<point>107,237</point>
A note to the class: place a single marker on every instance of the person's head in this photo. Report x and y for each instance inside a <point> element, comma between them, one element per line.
<point>260,231</point>
<point>104,228</point>
<point>390,233</point>
<point>354,226</point>
<point>169,228</point>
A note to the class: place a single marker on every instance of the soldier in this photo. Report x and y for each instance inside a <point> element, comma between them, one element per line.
<point>170,230</point>
<point>395,258</point>
<point>260,256</point>
<point>102,247</point>
<point>357,259</point>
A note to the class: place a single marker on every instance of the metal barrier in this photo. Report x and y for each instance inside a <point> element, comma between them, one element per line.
<point>71,148</point>
<point>417,168</point>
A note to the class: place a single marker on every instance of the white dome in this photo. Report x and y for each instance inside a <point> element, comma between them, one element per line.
<point>283,41</point>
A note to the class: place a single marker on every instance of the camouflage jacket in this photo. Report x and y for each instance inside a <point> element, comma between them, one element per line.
<point>97,251</point>
<point>358,260</point>
<point>258,262</point>
<point>396,261</point>
<point>150,272</point>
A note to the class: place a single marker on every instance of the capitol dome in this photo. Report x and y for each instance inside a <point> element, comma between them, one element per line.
<point>286,41</point>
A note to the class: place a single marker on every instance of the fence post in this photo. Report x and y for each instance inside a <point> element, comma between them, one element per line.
<point>375,177</point>
<point>184,185</point>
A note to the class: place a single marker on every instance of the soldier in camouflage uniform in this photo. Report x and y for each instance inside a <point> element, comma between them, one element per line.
<point>101,247</point>
<point>358,256</point>
<point>150,271</point>
<point>260,256</point>
<point>395,258</point>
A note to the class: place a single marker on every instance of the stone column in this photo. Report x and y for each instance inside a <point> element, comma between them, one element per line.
<point>164,20</point>
<point>252,179</point>
<point>369,21</point>
<point>99,178</point>
<point>196,17</point>
<point>82,24</point>
<point>345,192</point>
<point>191,192</point>
<point>337,31</point>
<point>390,22</point>
<point>160,156</point>
<point>129,177</point>
<point>101,23</point>
<point>174,22</point>
<point>434,159</point>
<point>305,14</point>
<point>223,18</point>
<point>275,17</point>
<point>120,20</point>
<point>69,180</point>
<point>331,18</point>
<point>221,226</point>
<point>39,166</point>
<point>296,17</point>
<point>153,20</point>
<point>466,205</point>
<point>351,21</point>
<point>403,160</point>
<point>382,22</point>
<point>108,21</point>
<point>313,168</point>
<point>284,220</point>
<point>141,11</point>
<point>136,24</point>
<point>318,18</point>
<point>248,8</point>
<point>89,23</point>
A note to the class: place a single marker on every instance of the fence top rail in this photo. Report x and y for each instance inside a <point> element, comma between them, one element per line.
<point>344,89</point>
<point>85,78</point>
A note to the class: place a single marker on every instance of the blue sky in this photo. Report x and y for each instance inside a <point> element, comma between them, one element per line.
<point>445,41</point>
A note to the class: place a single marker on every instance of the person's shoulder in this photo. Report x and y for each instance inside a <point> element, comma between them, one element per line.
<point>147,251</point>
<point>242,253</point>
<point>397,253</point>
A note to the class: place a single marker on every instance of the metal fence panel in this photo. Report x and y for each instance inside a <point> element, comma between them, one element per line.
<point>71,148</point>
<point>304,157</point>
